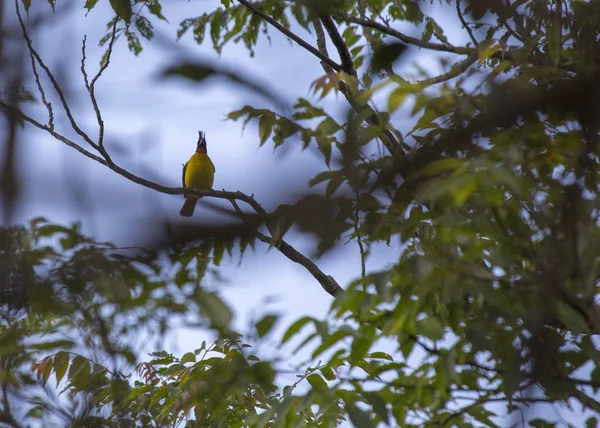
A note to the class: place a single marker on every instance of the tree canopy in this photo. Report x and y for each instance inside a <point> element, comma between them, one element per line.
<point>485,173</point>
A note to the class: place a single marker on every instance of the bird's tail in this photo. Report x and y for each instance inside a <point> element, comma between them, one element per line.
<point>188,207</point>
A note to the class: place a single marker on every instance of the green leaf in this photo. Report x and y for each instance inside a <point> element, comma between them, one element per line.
<point>263,374</point>
<point>431,328</point>
<point>295,328</point>
<point>214,309</point>
<point>133,42</point>
<point>265,127</point>
<point>487,48</point>
<point>385,55</point>
<point>333,184</point>
<point>379,406</point>
<point>540,423</point>
<point>324,144</point>
<point>358,417</point>
<point>328,126</point>
<point>317,382</point>
<point>327,373</point>
<point>155,8</point>
<point>89,4</point>
<point>397,97</point>
<point>46,369</point>
<point>360,347</point>
<point>78,365</point>
<point>61,363</point>
<point>264,326</point>
<point>381,356</point>
<point>144,26</point>
<point>188,357</point>
<point>571,318</point>
<point>123,9</point>
<point>218,251</point>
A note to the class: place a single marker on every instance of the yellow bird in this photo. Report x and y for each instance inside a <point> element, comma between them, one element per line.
<point>198,173</point>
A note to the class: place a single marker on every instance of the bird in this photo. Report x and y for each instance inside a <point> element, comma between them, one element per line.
<point>198,173</point>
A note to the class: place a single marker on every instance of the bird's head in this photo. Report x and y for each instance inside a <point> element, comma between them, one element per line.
<point>201,147</point>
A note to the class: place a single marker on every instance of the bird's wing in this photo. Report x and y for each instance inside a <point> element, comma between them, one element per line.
<point>183,176</point>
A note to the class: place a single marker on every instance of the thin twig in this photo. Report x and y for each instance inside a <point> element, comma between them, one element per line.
<point>55,134</point>
<point>363,268</point>
<point>91,87</point>
<point>55,84</point>
<point>42,93</point>
<point>289,34</point>
<point>464,23</point>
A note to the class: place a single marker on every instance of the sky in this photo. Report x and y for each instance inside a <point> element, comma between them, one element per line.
<point>151,129</point>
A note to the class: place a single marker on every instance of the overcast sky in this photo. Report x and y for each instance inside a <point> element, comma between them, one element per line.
<point>151,129</point>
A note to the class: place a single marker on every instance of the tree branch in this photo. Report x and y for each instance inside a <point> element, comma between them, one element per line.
<point>387,137</point>
<point>289,34</point>
<point>586,400</point>
<point>371,23</point>
<point>340,45</point>
<point>464,23</point>
<point>91,87</point>
<point>456,70</point>
<point>42,93</point>
<point>53,80</point>
<point>328,283</point>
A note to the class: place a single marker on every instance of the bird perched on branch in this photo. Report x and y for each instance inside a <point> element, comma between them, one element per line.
<point>198,173</point>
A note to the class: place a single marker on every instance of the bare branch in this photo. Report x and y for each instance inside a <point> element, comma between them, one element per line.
<point>91,87</point>
<point>289,34</point>
<point>328,283</point>
<point>42,93</point>
<point>464,23</point>
<point>57,88</point>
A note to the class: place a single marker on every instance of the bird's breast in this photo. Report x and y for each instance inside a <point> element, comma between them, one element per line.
<point>200,172</point>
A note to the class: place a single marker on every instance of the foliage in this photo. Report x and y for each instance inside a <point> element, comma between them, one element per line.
<point>492,190</point>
